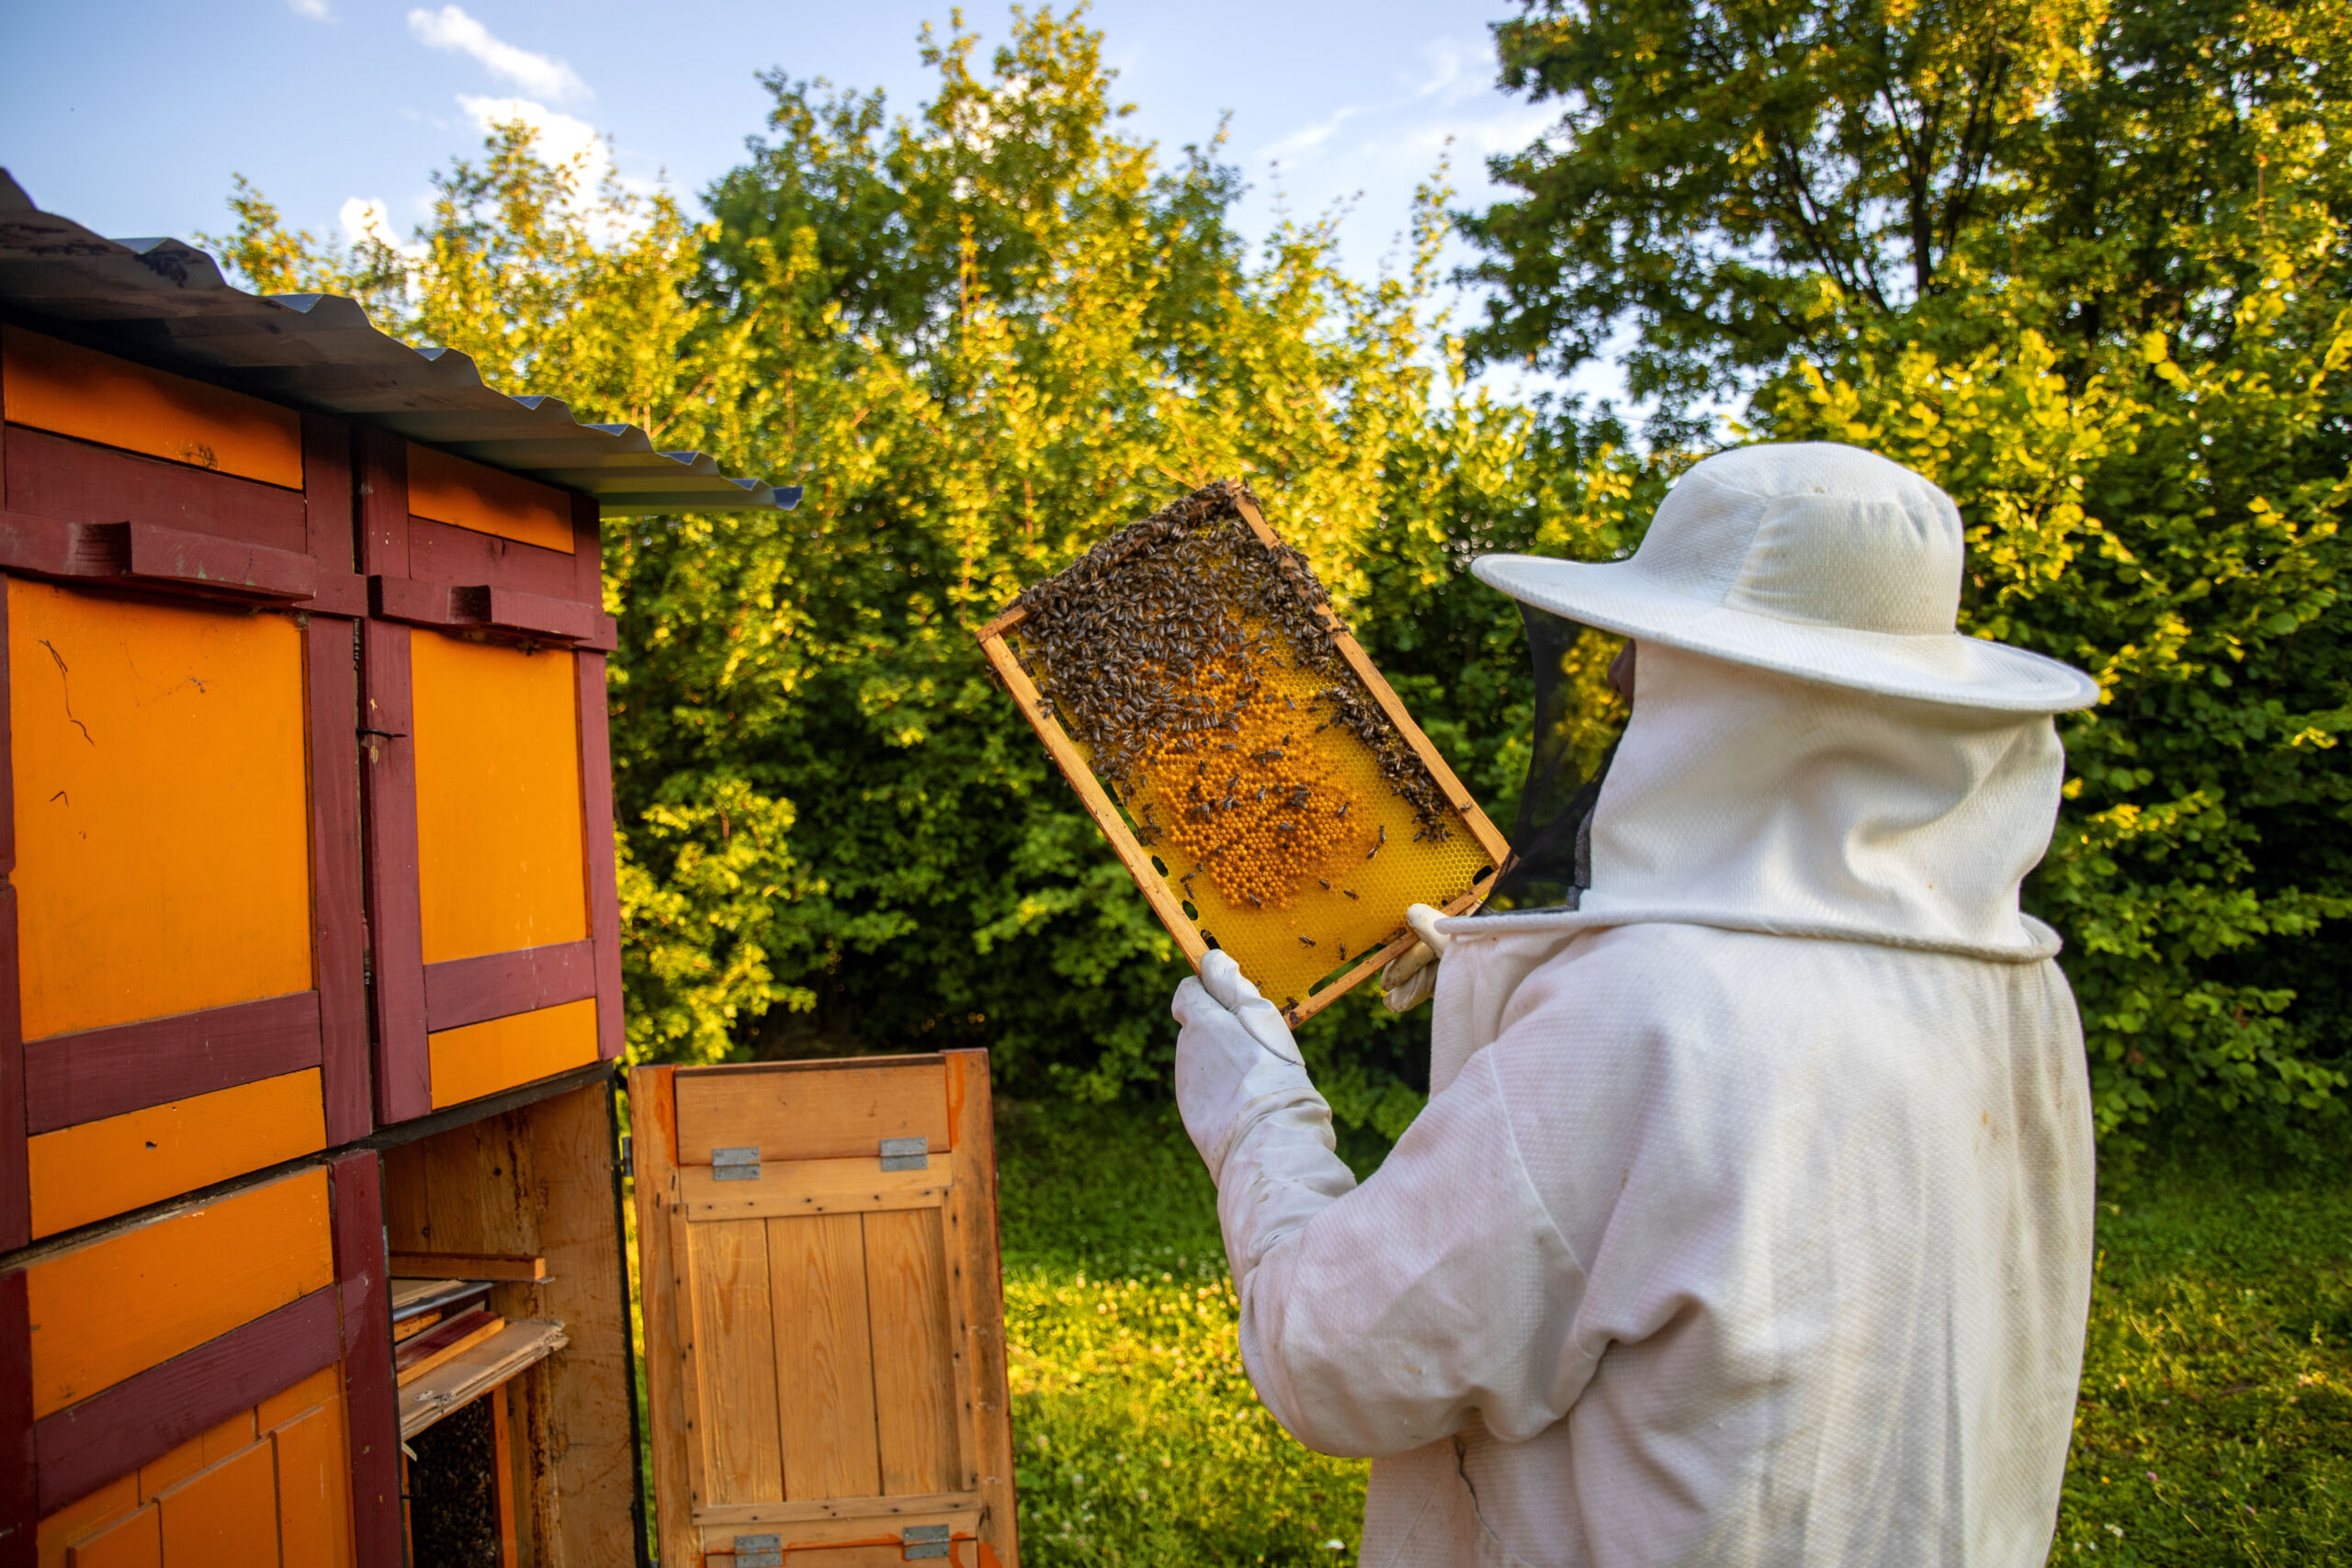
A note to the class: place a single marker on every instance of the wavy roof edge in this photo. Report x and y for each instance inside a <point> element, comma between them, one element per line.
<point>165,302</point>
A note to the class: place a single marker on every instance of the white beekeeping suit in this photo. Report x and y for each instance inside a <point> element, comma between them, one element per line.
<point>1749,1220</point>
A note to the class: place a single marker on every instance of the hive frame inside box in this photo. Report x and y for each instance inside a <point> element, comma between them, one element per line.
<point>1071,758</point>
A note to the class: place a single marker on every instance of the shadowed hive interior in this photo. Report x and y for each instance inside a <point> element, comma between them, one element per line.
<point>1196,666</point>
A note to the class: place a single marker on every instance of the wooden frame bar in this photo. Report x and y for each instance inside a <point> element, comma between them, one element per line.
<point>371,1396</point>
<point>1137,859</point>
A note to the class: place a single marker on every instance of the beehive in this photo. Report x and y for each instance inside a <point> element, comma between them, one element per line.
<point>1260,780</point>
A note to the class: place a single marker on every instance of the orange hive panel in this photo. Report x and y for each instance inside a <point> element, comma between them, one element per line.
<point>163,808</point>
<point>446,489</point>
<point>1272,798</point>
<point>76,392</point>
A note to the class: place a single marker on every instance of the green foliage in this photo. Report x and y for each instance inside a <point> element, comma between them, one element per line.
<point>2086,269</point>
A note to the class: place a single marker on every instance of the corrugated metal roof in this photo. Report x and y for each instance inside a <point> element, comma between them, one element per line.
<point>165,303</point>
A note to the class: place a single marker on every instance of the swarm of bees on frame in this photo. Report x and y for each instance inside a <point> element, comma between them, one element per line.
<point>1198,666</point>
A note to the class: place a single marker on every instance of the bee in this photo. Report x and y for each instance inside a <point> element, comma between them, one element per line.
<point>1348,891</point>
<point>1327,887</point>
<point>1307,939</point>
<point>1343,808</point>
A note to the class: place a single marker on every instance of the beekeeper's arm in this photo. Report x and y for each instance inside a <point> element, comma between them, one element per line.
<point>1375,1319</point>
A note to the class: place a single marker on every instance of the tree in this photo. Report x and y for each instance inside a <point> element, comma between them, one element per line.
<point>2086,269</point>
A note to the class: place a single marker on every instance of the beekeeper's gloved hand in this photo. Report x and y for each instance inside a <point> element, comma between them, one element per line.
<point>1236,1062</point>
<point>1410,979</point>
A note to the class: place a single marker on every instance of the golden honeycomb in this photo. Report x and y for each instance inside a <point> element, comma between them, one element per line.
<point>1196,673</point>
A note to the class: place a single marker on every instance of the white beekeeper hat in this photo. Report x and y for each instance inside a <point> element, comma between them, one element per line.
<point>1816,559</point>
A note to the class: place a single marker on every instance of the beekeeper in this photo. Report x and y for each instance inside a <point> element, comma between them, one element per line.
<point>1749,1219</point>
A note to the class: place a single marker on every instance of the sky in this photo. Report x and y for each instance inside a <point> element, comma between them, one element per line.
<point>132,116</point>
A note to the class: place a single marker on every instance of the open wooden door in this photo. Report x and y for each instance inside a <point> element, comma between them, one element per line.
<point>824,1319</point>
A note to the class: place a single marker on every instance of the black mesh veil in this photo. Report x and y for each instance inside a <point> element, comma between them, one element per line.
<point>1550,864</point>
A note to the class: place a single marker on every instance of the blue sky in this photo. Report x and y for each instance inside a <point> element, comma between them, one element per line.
<point>131,114</point>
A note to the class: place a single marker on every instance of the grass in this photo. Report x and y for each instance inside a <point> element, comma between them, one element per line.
<point>2215,1427</point>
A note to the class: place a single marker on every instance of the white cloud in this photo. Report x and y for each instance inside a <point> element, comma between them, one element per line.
<point>451,28</point>
<point>317,10</point>
<point>563,137</point>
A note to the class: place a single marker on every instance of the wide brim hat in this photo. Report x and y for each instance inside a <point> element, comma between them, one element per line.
<point>1813,559</point>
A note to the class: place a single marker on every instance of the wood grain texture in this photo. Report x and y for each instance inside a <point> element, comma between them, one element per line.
<point>671,1421</point>
<point>504,1355</point>
<point>381,497</point>
<point>511,1267</point>
<point>604,883</point>
<point>109,1309</point>
<point>1097,801</point>
<point>460,991</point>
<point>836,1520</point>
<point>735,1356</point>
<point>414,1358</point>
<point>369,1393</point>
<point>148,1415</point>
<point>791,1188</point>
<point>56,385</point>
<point>330,513</point>
<point>824,1356</point>
<point>338,896</point>
<point>71,482</point>
<point>456,557</point>
<point>817,1111</point>
<point>388,776</point>
<point>916,1414</point>
<point>96,1169</point>
<point>970,1219</point>
<point>106,1072</point>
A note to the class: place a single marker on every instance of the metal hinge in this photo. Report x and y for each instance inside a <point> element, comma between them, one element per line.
<point>735,1165</point>
<point>920,1541</point>
<point>906,1153</point>
<point>759,1551</point>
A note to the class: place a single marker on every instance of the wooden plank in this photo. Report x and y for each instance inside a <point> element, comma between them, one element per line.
<point>970,1222</point>
<point>73,390</point>
<point>338,903</point>
<point>814,1186</point>
<point>661,1288</point>
<point>460,1379</point>
<point>97,1073</point>
<point>156,735</point>
<point>142,1419</point>
<point>388,775</point>
<point>604,885</point>
<point>235,567</point>
<point>813,1111</point>
<point>482,1058</point>
<point>735,1352</point>
<point>914,1373</point>
<point>19,1482</point>
<point>507,1266</point>
<point>501,1463</point>
<point>229,1514</point>
<point>16,1173</point>
<point>460,991</point>
<point>458,557</point>
<point>824,1356</point>
<point>331,535</point>
<point>892,1513</point>
<point>444,1341</point>
<point>114,1307</point>
<point>136,1540</point>
<point>313,1490</point>
<point>448,488</point>
<point>371,1395</point>
<point>1097,801</point>
<point>85,1173</point>
<point>500,818</point>
<point>70,481</point>
<point>381,458</point>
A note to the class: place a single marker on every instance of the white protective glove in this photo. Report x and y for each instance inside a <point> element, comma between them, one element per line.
<point>1410,979</point>
<point>1236,1062</point>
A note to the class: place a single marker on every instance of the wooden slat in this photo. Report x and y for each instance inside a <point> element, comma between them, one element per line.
<point>507,1266</point>
<point>371,1396</point>
<point>824,1356</point>
<point>395,929</point>
<point>892,1513</point>
<point>1097,801</point>
<point>460,991</point>
<point>62,387</point>
<point>735,1349</point>
<point>460,1379</point>
<point>814,1186</point>
<point>663,1289</point>
<point>459,558</point>
<point>828,1110</point>
<point>338,900</point>
<point>97,1073</point>
<point>69,481</point>
<point>19,1482</point>
<point>970,1222</point>
<point>915,1410</point>
<point>596,795</point>
<point>438,1344</point>
<point>449,489</point>
<point>482,1058</point>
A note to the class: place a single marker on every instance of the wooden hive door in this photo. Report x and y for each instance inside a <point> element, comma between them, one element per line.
<point>823,1313</point>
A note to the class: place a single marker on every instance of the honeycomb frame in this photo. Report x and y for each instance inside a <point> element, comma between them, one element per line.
<point>1161,885</point>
